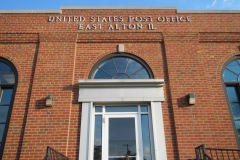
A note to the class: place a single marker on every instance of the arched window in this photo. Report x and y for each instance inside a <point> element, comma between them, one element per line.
<point>8,78</point>
<point>121,66</point>
<point>231,77</point>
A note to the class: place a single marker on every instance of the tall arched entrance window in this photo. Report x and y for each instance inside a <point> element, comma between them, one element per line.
<point>8,82</point>
<point>231,78</point>
<point>121,109</point>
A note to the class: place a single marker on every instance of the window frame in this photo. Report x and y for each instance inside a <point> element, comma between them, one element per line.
<point>138,128</point>
<point>13,87</point>
<point>117,54</point>
<point>234,84</point>
<point>86,140</point>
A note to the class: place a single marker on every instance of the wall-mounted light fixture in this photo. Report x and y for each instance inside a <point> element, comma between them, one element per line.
<point>49,101</point>
<point>191,98</point>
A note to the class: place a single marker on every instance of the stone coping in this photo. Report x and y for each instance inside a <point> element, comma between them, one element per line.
<point>118,8</point>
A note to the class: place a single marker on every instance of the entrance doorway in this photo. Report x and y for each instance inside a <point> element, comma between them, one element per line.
<point>123,132</point>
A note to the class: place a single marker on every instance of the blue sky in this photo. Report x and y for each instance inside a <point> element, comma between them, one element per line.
<point>180,4</point>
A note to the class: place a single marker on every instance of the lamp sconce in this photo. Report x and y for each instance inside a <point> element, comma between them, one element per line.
<point>49,101</point>
<point>191,98</point>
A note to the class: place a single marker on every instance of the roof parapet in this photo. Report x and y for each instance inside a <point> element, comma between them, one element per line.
<point>208,11</point>
<point>118,8</point>
<point>29,11</point>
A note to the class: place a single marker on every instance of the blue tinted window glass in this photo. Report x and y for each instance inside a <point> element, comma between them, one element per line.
<point>2,127</point>
<point>109,67</point>
<point>4,68</point>
<point>229,76</point>
<point>133,67</point>
<point>121,68</point>
<point>101,75</point>
<point>121,64</point>
<point>98,109</point>
<point>144,108</point>
<point>3,113</point>
<point>6,74</point>
<point>6,96</point>
<point>98,138</point>
<point>232,94</point>
<point>7,81</point>
<point>121,108</point>
<point>122,137</point>
<point>141,74</point>
<point>121,76</point>
<point>237,125</point>
<point>234,67</point>
<point>146,137</point>
<point>236,110</point>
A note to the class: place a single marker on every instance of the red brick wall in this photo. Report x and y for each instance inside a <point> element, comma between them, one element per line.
<point>22,55</point>
<point>52,56</point>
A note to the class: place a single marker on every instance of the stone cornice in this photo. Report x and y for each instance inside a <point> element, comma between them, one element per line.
<point>112,83</point>
<point>119,8</point>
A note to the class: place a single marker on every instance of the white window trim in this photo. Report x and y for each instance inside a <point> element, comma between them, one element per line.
<point>109,91</point>
<point>158,131</point>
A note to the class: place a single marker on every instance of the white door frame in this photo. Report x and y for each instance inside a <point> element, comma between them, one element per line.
<point>121,91</point>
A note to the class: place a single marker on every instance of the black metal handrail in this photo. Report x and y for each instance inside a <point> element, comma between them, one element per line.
<point>203,153</point>
<point>52,154</point>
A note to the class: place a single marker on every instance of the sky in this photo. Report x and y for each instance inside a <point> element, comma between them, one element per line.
<point>179,4</point>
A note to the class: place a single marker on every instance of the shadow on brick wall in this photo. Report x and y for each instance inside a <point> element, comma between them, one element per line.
<point>20,143</point>
<point>41,104</point>
<point>75,89</point>
<point>170,104</point>
<point>183,101</point>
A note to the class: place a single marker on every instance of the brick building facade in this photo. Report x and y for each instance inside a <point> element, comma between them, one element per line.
<point>57,52</point>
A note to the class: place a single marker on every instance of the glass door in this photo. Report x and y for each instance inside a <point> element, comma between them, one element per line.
<point>122,132</point>
<point>121,137</point>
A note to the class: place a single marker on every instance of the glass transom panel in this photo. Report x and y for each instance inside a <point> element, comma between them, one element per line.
<point>121,67</point>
